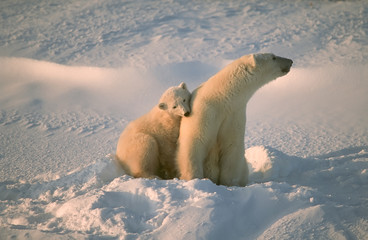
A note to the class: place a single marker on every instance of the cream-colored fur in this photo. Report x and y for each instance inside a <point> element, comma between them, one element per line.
<point>211,141</point>
<point>147,146</point>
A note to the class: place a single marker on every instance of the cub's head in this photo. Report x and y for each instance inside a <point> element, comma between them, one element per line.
<point>176,100</point>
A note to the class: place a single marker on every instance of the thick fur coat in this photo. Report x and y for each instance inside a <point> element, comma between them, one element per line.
<point>211,141</point>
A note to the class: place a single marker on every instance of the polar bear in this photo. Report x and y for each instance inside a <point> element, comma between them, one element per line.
<point>211,141</point>
<point>147,147</point>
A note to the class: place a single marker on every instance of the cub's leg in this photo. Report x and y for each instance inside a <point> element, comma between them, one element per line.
<point>142,156</point>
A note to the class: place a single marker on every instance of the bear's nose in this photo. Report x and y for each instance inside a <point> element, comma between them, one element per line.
<point>288,63</point>
<point>186,114</point>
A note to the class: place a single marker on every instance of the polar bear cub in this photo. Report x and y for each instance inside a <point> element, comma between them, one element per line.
<point>147,146</point>
<point>211,141</point>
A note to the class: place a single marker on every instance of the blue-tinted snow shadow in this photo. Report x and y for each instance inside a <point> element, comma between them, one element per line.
<point>341,175</point>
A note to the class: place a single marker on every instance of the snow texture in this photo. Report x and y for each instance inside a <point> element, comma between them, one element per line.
<point>73,74</point>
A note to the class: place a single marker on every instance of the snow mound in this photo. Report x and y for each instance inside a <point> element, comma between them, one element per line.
<point>268,164</point>
<point>99,200</point>
<point>86,202</point>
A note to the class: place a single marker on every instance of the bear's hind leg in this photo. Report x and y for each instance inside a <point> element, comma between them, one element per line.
<point>144,160</point>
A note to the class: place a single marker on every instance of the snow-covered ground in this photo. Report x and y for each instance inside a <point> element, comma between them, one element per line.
<point>74,73</point>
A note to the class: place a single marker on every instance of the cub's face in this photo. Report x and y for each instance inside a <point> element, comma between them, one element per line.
<point>176,101</point>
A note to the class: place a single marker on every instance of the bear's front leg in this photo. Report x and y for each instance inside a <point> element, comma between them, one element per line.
<point>233,168</point>
<point>232,163</point>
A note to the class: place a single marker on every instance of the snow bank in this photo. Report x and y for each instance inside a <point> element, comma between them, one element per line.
<point>83,202</point>
<point>91,202</point>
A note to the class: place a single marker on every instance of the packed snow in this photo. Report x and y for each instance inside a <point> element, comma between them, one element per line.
<point>74,73</point>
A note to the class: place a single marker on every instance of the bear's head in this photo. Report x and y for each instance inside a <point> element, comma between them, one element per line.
<point>176,100</point>
<point>267,66</point>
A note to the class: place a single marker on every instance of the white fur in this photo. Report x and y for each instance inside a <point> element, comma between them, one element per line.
<point>147,146</point>
<point>211,141</point>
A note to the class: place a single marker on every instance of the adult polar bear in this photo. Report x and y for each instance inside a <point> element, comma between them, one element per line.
<point>211,140</point>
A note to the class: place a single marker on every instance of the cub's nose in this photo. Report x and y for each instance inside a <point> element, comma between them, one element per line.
<point>186,114</point>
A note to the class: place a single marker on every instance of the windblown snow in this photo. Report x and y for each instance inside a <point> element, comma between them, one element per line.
<point>74,73</point>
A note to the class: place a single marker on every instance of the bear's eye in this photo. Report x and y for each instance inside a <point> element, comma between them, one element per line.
<point>273,58</point>
<point>174,107</point>
<point>183,100</point>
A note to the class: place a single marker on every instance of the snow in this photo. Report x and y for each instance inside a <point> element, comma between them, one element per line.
<point>74,73</point>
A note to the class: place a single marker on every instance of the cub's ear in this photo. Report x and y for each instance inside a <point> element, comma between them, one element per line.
<point>162,106</point>
<point>183,86</point>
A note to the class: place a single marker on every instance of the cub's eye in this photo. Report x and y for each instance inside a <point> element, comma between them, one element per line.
<point>174,107</point>
<point>273,58</point>
<point>184,100</point>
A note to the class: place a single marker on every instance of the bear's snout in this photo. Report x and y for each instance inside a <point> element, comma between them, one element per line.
<point>186,114</point>
<point>285,70</point>
<point>286,65</point>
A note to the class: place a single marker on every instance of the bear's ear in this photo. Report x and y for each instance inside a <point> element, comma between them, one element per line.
<point>252,60</point>
<point>183,86</point>
<point>162,106</point>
